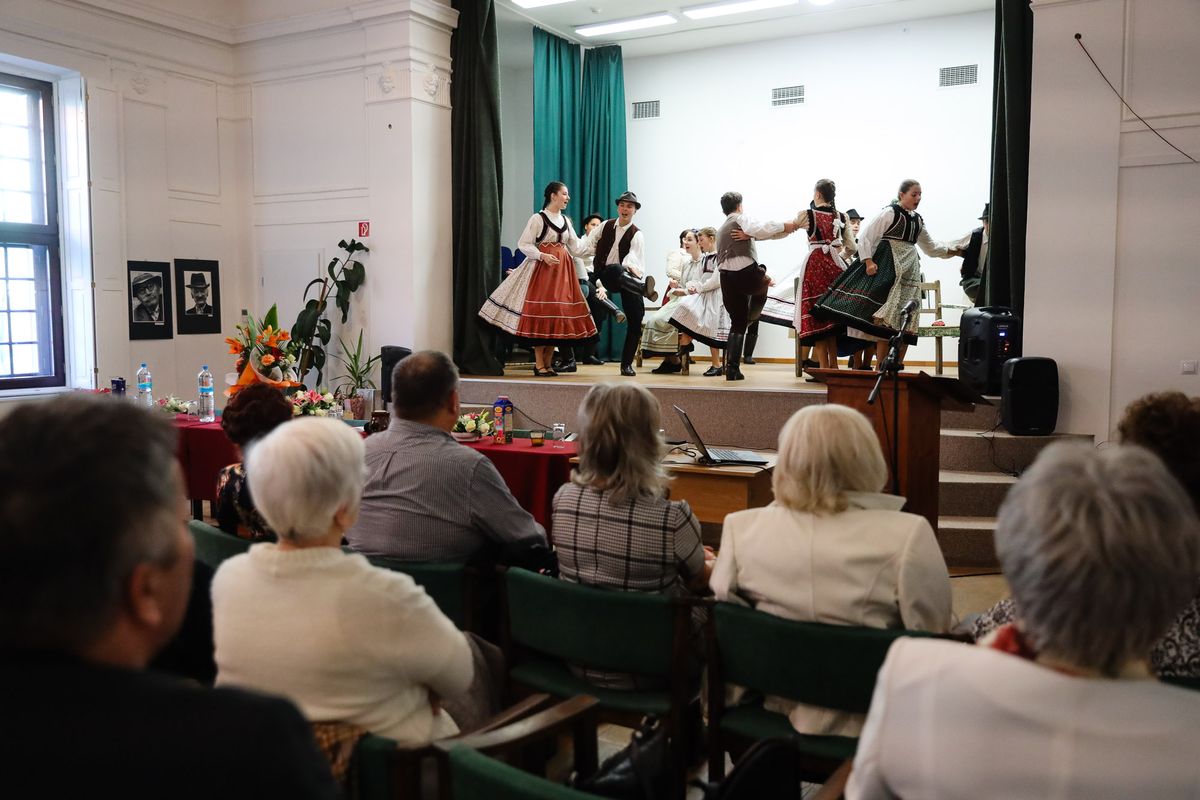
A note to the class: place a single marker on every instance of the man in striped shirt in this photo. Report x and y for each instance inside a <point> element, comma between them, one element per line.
<point>427,497</point>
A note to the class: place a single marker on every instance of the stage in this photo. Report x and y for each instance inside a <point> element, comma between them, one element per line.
<point>977,459</point>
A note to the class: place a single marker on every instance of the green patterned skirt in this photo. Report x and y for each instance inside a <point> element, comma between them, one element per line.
<point>874,304</point>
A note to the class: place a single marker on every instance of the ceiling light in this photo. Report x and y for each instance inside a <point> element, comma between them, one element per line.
<point>739,7</point>
<point>540,3</point>
<point>623,25</point>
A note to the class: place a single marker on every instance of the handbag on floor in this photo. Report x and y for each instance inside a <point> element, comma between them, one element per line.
<point>641,771</point>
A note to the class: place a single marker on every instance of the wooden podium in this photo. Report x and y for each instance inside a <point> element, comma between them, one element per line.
<point>922,398</point>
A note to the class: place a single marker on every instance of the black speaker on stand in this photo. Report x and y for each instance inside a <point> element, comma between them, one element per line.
<point>389,357</point>
<point>1029,396</point>
<point>988,337</point>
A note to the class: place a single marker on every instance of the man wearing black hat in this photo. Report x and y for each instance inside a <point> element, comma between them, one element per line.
<point>618,248</point>
<point>975,249</point>
<point>199,288</point>
<point>147,288</point>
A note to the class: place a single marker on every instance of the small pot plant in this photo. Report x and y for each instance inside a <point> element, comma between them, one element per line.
<point>356,382</point>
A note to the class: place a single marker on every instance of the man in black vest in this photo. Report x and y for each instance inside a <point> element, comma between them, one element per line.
<point>618,247</point>
<point>975,248</point>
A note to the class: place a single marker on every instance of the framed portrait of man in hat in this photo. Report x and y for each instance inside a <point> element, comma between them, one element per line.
<point>150,300</point>
<point>198,296</point>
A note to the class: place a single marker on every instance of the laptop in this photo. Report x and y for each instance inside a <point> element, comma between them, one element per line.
<point>717,455</point>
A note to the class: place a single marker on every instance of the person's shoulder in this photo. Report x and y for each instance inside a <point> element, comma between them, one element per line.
<point>752,518</point>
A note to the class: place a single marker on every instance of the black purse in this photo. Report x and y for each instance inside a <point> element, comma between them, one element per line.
<point>641,771</point>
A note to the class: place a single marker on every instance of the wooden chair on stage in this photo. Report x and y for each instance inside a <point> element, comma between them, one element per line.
<point>931,303</point>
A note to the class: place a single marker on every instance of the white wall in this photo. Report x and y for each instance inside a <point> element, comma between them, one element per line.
<point>873,115</point>
<point>1112,298</point>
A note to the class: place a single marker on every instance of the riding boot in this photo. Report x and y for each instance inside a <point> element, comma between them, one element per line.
<point>733,357</point>
<point>751,341</point>
<point>644,287</point>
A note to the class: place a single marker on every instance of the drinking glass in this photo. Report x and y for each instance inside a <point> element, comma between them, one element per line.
<point>560,433</point>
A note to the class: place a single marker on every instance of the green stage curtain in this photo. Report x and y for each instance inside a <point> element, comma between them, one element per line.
<point>556,140</point>
<point>605,168</point>
<point>1004,278</point>
<point>476,180</point>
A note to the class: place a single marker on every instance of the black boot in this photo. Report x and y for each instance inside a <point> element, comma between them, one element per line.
<point>751,341</point>
<point>733,357</point>
<point>612,308</point>
<point>645,288</point>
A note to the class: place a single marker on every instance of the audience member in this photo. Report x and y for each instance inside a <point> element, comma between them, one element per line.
<point>346,641</point>
<point>614,525</point>
<point>250,414</point>
<point>1101,548</point>
<point>831,548</point>
<point>429,498</point>
<point>1168,425</point>
<point>95,567</point>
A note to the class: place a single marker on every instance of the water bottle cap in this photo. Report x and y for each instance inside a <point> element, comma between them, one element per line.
<point>204,366</point>
<point>143,365</point>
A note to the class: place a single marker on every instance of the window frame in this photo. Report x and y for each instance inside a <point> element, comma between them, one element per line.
<point>47,236</point>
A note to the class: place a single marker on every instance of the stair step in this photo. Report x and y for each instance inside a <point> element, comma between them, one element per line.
<point>983,418</point>
<point>972,494</point>
<point>994,451</point>
<point>968,541</point>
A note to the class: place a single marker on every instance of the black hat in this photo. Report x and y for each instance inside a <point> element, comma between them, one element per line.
<point>144,278</point>
<point>853,214</point>
<point>630,197</point>
<point>198,281</point>
<point>987,211</point>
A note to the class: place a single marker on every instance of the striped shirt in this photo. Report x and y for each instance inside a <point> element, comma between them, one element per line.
<point>428,498</point>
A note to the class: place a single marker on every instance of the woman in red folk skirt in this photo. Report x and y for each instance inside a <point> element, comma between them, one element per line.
<point>822,266</point>
<point>540,302</point>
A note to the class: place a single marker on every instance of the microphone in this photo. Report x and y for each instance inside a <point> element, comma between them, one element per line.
<point>910,308</point>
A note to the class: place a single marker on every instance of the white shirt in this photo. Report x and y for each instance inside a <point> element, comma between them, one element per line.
<point>871,234</point>
<point>755,230</point>
<point>634,258</point>
<point>528,243</point>
<point>343,640</point>
<point>950,720</point>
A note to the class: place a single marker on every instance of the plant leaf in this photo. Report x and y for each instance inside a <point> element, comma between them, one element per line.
<point>272,318</point>
<point>313,282</point>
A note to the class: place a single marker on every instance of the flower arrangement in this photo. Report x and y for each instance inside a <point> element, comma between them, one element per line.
<point>265,353</point>
<point>173,405</point>
<point>315,404</point>
<point>474,424</point>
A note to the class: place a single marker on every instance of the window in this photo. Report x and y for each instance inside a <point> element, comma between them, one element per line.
<point>31,330</point>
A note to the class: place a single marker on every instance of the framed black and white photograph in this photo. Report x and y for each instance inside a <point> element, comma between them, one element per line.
<point>150,300</point>
<point>197,296</point>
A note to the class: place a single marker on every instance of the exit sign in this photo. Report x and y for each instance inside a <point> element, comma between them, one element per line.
<point>364,230</point>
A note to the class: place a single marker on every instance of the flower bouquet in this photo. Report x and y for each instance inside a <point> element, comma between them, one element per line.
<point>173,405</point>
<point>265,354</point>
<point>315,404</point>
<point>469,427</point>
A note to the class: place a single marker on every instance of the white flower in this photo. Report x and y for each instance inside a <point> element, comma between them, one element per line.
<point>295,411</point>
<point>320,412</point>
<point>327,397</point>
<point>470,426</point>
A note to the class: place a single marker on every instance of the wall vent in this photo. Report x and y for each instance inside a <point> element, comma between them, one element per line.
<point>958,76</point>
<point>646,109</point>
<point>787,96</point>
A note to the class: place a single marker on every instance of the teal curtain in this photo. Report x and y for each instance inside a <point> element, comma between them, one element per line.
<point>605,168</point>
<point>476,180</point>
<point>1004,275</point>
<point>556,142</point>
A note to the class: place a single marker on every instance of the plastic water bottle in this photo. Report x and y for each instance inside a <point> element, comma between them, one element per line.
<point>208,402</point>
<point>145,386</point>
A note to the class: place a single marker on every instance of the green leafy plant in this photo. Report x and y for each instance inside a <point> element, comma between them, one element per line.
<point>358,369</point>
<point>312,332</point>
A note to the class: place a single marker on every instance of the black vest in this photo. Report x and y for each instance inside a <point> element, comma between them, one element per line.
<point>607,234</point>
<point>970,263</point>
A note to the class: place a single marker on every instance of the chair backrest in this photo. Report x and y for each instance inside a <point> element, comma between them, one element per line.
<point>448,583</point>
<point>598,628</point>
<point>931,299</point>
<point>214,545</point>
<point>474,776</point>
<point>833,666</point>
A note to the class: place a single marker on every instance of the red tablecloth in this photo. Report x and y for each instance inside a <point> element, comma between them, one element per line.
<point>203,450</point>
<point>533,474</point>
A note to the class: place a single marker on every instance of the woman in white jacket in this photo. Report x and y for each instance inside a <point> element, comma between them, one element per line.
<point>831,548</point>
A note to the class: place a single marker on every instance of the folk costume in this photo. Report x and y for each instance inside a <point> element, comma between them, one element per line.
<point>823,264</point>
<point>539,303</point>
<point>744,281</point>
<point>873,304</point>
<point>660,336</point>
<point>975,249</point>
<point>702,315</point>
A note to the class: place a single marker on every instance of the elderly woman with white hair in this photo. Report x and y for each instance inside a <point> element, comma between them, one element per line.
<point>1101,548</point>
<point>344,640</point>
<point>831,548</point>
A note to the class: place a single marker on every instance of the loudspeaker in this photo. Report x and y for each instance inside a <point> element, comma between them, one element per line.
<point>988,337</point>
<point>1029,396</point>
<point>389,357</point>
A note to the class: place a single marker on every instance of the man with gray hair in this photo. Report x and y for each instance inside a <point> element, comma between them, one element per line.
<point>1102,549</point>
<point>428,498</point>
<point>95,569</point>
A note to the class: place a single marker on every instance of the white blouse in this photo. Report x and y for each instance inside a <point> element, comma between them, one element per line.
<point>528,243</point>
<point>871,234</point>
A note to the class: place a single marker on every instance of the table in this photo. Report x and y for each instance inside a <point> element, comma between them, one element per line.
<point>204,450</point>
<point>533,474</point>
<point>713,492</point>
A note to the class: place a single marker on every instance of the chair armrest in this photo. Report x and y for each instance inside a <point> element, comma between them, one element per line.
<point>523,731</point>
<point>835,787</point>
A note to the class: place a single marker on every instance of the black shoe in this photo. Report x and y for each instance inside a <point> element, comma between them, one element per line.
<point>544,373</point>
<point>565,366</point>
<point>667,368</point>
<point>734,375</point>
<point>749,360</point>
<point>595,361</point>
<point>810,364</point>
<point>713,372</point>
<point>627,371</point>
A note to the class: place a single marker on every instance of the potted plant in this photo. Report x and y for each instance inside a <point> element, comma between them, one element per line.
<point>311,332</point>
<point>357,386</point>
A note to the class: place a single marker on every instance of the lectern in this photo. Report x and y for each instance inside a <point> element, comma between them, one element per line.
<point>918,432</point>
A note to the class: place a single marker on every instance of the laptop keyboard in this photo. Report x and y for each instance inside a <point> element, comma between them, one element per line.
<point>723,454</point>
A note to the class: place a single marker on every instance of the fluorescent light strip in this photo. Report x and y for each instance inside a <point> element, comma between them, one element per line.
<point>740,7</point>
<point>623,25</point>
<point>540,3</point>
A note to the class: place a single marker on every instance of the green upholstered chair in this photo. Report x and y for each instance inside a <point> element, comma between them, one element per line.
<point>832,666</point>
<point>458,589</point>
<point>214,545</point>
<point>551,623</point>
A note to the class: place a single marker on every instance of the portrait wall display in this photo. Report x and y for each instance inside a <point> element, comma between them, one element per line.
<point>150,300</point>
<point>197,296</point>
